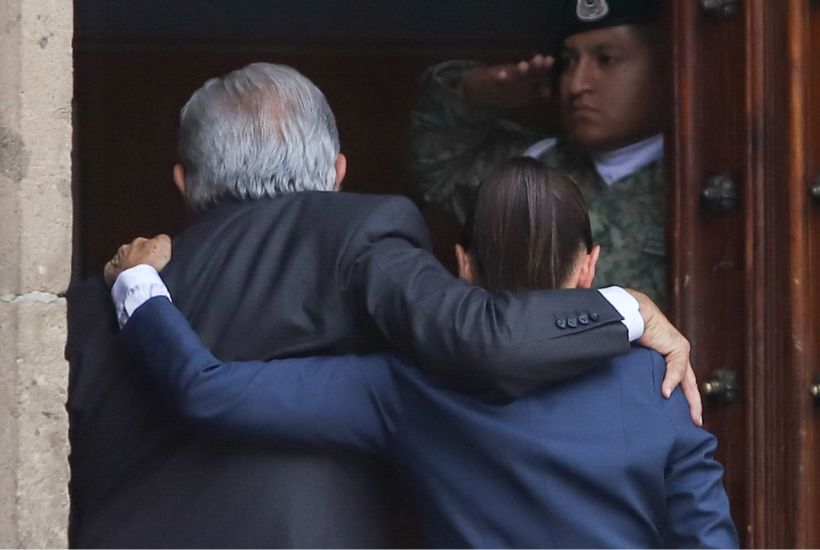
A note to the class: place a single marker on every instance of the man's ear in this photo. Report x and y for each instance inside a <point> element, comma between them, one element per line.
<point>465,264</point>
<point>341,170</point>
<point>179,178</point>
<point>588,267</point>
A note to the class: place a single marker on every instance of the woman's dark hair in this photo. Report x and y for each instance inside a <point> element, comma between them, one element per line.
<point>527,228</point>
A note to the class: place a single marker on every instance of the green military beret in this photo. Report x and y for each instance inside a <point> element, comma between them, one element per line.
<point>585,15</point>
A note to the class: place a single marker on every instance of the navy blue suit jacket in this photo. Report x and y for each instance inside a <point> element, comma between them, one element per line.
<point>599,461</point>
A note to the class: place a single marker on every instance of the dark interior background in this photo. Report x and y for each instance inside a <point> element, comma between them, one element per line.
<point>136,63</point>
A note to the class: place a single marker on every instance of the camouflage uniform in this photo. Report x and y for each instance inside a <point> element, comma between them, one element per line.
<point>455,145</point>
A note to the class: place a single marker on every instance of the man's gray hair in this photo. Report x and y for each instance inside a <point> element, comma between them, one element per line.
<point>257,132</point>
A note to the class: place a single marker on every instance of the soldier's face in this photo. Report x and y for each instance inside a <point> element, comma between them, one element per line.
<point>612,91</point>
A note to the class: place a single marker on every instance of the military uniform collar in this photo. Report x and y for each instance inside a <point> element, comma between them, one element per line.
<point>615,165</point>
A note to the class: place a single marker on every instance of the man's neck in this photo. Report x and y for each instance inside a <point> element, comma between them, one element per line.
<point>615,165</point>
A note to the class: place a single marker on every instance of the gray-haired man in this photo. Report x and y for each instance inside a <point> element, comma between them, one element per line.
<point>265,271</point>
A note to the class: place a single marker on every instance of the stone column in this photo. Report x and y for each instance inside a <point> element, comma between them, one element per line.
<point>35,257</point>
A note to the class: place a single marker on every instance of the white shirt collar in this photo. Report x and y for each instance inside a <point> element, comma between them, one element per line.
<point>540,147</point>
<point>614,165</point>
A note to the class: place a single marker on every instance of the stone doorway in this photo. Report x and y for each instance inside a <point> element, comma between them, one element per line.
<point>36,85</point>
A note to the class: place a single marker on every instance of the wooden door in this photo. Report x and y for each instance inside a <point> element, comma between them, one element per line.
<point>709,256</point>
<point>727,236</point>
<point>802,464</point>
<point>746,276</point>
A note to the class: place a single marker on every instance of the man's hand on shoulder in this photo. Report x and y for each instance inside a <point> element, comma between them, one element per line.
<point>659,334</point>
<point>155,252</point>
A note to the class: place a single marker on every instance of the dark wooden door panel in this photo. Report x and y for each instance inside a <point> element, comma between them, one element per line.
<point>709,259</point>
<point>810,375</point>
<point>804,413</point>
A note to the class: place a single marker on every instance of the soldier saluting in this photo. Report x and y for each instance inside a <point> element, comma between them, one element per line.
<point>608,74</point>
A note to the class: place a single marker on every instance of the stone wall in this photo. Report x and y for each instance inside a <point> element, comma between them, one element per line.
<point>35,258</point>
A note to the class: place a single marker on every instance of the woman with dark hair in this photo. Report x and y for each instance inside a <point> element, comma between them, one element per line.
<point>601,460</point>
<point>529,231</point>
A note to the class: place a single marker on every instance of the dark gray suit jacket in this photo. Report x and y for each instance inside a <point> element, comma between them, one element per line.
<point>305,273</point>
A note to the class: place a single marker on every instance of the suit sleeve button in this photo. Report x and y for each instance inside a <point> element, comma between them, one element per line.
<point>572,322</point>
<point>583,319</point>
<point>561,323</point>
<point>594,316</point>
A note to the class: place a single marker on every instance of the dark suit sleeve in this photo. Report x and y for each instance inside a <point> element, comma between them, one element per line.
<point>697,505</point>
<point>347,401</point>
<point>510,342</point>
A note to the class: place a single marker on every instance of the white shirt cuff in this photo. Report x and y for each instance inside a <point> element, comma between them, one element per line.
<point>628,307</point>
<point>134,287</point>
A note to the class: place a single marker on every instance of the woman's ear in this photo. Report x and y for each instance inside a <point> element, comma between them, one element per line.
<point>465,264</point>
<point>589,262</point>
